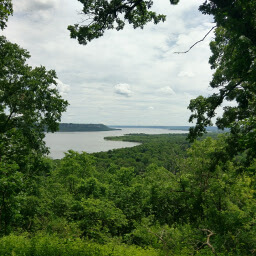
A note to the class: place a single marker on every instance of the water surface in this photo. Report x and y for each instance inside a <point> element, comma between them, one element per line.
<point>91,142</point>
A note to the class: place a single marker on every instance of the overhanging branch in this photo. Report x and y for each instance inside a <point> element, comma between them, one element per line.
<point>197,41</point>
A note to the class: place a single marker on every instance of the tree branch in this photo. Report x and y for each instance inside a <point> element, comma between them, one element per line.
<point>207,243</point>
<point>198,41</point>
<point>7,121</point>
<point>160,237</point>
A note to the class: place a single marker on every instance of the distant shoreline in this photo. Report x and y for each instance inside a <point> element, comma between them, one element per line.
<point>71,127</point>
<point>181,128</point>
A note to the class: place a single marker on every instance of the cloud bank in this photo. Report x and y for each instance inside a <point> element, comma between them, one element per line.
<point>165,82</point>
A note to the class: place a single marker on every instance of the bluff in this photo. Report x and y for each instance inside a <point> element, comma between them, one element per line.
<point>70,127</point>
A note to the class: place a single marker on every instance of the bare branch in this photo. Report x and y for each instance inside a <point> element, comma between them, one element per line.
<point>207,243</point>
<point>198,41</point>
<point>160,237</point>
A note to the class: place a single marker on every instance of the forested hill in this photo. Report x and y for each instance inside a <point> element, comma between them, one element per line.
<point>70,127</point>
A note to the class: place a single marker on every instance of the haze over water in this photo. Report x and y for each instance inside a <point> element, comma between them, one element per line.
<point>92,142</point>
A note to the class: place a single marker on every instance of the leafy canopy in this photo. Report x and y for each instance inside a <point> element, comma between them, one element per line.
<point>233,59</point>
<point>29,105</point>
<point>29,100</point>
<point>102,15</point>
<point>5,11</point>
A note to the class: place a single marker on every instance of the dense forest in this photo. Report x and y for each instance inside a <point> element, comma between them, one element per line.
<point>164,197</point>
<point>171,195</point>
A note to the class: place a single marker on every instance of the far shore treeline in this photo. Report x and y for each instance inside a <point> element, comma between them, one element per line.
<point>74,127</point>
<point>70,127</point>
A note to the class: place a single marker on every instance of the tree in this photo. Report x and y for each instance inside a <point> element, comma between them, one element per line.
<point>219,197</point>
<point>102,15</point>
<point>30,102</point>
<point>10,186</point>
<point>233,59</point>
<point>98,218</point>
<point>29,105</point>
<point>5,11</point>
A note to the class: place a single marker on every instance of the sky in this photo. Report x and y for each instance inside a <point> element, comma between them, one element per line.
<point>129,77</point>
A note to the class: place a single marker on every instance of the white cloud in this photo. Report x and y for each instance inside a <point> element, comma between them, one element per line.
<point>186,74</point>
<point>62,88</point>
<point>142,57</point>
<point>34,5</point>
<point>123,89</point>
<point>36,11</point>
<point>167,90</point>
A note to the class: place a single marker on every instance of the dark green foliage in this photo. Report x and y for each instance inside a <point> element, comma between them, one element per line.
<point>162,150</point>
<point>103,15</point>
<point>22,128</point>
<point>97,218</point>
<point>11,184</point>
<point>22,124</point>
<point>5,11</point>
<point>94,202</point>
<point>233,59</point>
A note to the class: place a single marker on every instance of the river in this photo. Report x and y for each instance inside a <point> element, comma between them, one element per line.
<point>91,142</point>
